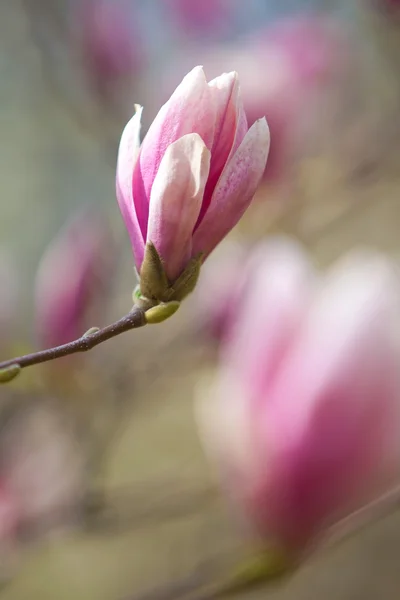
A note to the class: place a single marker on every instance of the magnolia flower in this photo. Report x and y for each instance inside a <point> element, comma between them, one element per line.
<point>189,182</point>
<point>73,273</point>
<point>305,414</point>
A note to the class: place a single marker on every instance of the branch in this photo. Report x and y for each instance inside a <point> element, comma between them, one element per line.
<point>134,319</point>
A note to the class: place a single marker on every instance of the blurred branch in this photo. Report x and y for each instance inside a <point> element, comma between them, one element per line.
<point>134,319</point>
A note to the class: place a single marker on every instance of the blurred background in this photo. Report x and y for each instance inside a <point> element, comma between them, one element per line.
<point>104,489</point>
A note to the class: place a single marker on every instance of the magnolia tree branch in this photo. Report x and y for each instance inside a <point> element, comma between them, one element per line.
<point>134,319</point>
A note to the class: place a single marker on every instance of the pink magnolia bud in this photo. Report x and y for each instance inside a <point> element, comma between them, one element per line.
<point>305,415</point>
<point>73,274</point>
<point>195,173</point>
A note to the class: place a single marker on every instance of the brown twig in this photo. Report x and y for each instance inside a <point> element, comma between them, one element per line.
<point>134,319</point>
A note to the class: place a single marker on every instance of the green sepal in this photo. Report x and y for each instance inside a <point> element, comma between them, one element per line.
<point>153,280</point>
<point>187,281</point>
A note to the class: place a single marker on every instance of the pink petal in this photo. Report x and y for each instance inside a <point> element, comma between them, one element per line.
<point>332,422</point>
<point>230,129</point>
<point>127,156</point>
<point>282,283</point>
<point>235,189</point>
<point>189,110</point>
<point>175,202</point>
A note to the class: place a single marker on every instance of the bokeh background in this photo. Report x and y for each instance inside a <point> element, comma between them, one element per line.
<point>108,445</point>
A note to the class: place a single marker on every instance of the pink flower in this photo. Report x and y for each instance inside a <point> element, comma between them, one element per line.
<point>305,414</point>
<point>195,173</point>
<point>73,274</point>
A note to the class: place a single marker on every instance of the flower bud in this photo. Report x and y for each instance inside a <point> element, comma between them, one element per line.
<point>304,418</point>
<point>189,182</point>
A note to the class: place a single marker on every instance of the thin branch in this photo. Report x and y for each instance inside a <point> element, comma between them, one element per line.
<point>134,319</point>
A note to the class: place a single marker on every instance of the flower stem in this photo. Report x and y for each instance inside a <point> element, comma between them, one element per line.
<point>134,319</point>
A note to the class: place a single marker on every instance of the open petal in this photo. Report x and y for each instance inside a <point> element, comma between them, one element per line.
<point>175,202</point>
<point>127,157</point>
<point>235,189</point>
<point>189,110</point>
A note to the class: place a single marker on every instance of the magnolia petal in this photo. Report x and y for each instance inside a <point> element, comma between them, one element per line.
<point>282,281</point>
<point>127,157</point>
<point>281,284</point>
<point>175,202</point>
<point>353,320</point>
<point>334,410</point>
<point>189,110</point>
<point>229,111</point>
<point>235,190</point>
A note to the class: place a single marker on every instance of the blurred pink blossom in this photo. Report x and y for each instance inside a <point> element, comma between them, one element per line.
<point>201,17</point>
<point>304,417</point>
<point>109,42</point>
<point>73,276</point>
<point>195,173</point>
<point>296,61</point>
